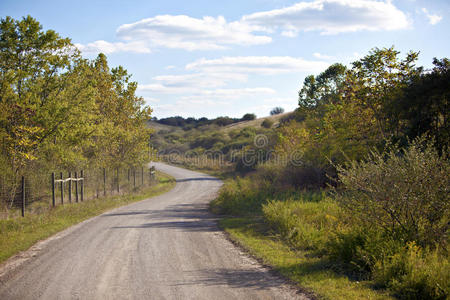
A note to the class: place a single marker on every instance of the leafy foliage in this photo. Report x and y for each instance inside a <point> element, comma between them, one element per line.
<point>405,193</point>
<point>267,123</point>
<point>58,110</point>
<point>248,117</point>
<point>424,105</point>
<point>389,218</point>
<point>276,111</point>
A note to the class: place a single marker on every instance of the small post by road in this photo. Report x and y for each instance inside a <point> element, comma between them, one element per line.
<point>23,196</point>
<point>142,176</point>
<point>104,181</point>
<point>118,183</point>
<point>76,187</point>
<point>82,185</point>
<point>134,178</point>
<point>70,187</point>
<point>53,189</point>
<point>62,188</point>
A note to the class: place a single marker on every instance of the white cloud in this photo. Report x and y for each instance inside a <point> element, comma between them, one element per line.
<point>330,17</point>
<point>190,83</point>
<point>236,93</point>
<point>210,79</point>
<point>224,101</point>
<point>256,64</point>
<point>432,19</point>
<point>107,47</point>
<point>196,92</point>
<point>216,33</point>
<point>322,56</point>
<point>189,33</point>
<point>164,89</point>
<point>200,80</point>
<point>289,33</point>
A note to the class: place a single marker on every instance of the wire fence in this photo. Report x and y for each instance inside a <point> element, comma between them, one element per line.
<point>33,194</point>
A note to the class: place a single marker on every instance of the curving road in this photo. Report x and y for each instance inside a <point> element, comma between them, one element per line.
<point>165,247</point>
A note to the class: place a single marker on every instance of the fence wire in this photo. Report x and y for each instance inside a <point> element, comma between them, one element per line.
<point>96,183</point>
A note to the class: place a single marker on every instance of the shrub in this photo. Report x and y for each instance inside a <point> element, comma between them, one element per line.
<point>358,248</point>
<point>415,274</point>
<point>242,196</point>
<point>405,193</point>
<point>304,177</point>
<point>248,117</point>
<point>277,111</point>
<point>267,123</point>
<point>305,222</point>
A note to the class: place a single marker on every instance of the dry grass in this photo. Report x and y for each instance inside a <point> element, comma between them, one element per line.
<point>256,123</point>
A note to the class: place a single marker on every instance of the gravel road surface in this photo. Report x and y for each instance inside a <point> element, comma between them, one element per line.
<point>165,247</point>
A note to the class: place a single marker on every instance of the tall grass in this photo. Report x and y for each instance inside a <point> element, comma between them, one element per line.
<point>325,226</point>
<point>305,222</point>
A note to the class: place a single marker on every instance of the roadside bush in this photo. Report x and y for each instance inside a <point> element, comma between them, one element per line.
<point>398,207</point>
<point>305,221</point>
<point>267,123</point>
<point>404,193</point>
<point>304,177</point>
<point>242,196</point>
<point>358,248</point>
<point>414,274</point>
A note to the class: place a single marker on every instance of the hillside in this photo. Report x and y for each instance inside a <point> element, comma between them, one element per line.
<point>275,119</point>
<point>257,122</point>
<point>229,140</point>
<point>157,126</point>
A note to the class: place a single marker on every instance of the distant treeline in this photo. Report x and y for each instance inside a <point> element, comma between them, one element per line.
<point>190,122</point>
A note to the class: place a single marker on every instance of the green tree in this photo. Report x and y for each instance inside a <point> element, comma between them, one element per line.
<point>322,89</point>
<point>248,117</point>
<point>424,105</point>
<point>277,111</point>
<point>58,110</point>
<point>377,80</point>
<point>35,74</point>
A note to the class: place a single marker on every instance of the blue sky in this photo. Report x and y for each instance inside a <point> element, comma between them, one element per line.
<point>215,58</point>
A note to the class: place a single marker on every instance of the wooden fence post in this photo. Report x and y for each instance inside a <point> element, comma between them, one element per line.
<point>142,176</point>
<point>118,183</point>
<point>70,187</point>
<point>82,185</point>
<point>76,187</point>
<point>23,196</point>
<point>134,178</point>
<point>104,181</point>
<point>62,189</point>
<point>53,189</point>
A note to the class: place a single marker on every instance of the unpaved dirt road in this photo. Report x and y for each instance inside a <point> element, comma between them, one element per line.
<point>166,247</point>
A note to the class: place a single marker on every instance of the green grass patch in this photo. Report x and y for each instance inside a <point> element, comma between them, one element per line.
<point>310,271</point>
<point>19,234</point>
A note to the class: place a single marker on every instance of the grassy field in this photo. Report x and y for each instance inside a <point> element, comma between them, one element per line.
<point>19,234</point>
<point>312,240</point>
<point>256,123</point>
<point>312,273</point>
<point>290,233</point>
